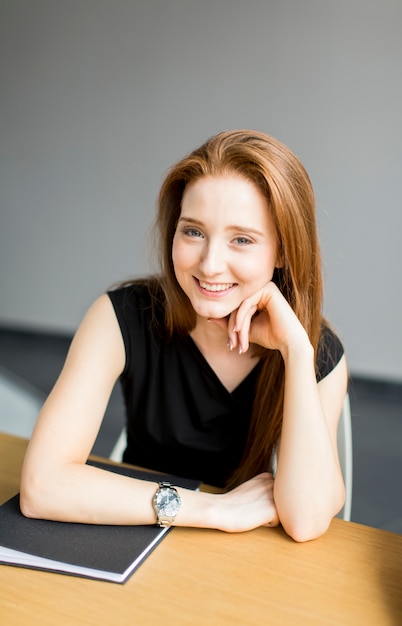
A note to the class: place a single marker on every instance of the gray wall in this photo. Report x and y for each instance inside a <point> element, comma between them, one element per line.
<point>99,97</point>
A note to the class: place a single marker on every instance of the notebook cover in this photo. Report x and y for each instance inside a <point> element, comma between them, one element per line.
<point>104,548</point>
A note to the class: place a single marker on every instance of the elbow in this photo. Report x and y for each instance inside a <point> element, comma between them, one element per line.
<point>27,506</point>
<point>307,526</point>
<point>29,503</point>
<point>32,497</point>
<point>301,531</point>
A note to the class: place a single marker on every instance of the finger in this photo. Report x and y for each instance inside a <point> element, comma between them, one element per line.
<point>274,522</point>
<point>267,481</point>
<point>243,321</point>
<point>232,332</point>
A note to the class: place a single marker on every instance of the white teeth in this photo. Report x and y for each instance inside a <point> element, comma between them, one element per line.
<point>216,287</point>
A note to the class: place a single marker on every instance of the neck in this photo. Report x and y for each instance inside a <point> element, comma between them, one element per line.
<point>212,341</point>
<point>210,333</point>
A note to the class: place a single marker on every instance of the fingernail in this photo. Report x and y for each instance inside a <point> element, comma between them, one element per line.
<point>230,344</point>
<point>240,350</point>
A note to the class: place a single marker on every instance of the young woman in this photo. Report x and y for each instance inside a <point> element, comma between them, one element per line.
<point>225,360</point>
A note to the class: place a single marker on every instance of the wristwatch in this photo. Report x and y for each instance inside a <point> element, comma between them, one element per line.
<point>166,504</point>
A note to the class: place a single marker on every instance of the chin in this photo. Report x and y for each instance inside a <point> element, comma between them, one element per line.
<point>213,312</point>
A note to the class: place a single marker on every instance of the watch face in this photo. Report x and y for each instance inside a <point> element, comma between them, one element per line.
<point>167,501</point>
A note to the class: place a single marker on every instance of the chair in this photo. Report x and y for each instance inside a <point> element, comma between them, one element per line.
<point>345,451</point>
<point>116,454</point>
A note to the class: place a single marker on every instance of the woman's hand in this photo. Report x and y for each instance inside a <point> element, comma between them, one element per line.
<point>265,318</point>
<point>248,506</point>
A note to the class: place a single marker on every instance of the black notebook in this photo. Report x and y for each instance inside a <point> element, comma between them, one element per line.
<point>102,552</point>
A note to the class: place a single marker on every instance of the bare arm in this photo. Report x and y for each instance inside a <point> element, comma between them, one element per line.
<point>55,481</point>
<point>57,484</point>
<point>308,489</point>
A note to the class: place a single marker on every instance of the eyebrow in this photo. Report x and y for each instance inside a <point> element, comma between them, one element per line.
<point>234,227</point>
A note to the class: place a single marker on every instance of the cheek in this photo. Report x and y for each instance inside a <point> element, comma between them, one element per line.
<point>180,255</point>
<point>258,270</point>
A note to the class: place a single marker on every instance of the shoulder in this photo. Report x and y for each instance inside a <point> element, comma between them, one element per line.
<point>140,313</point>
<point>97,336</point>
<point>329,353</point>
<point>135,292</point>
<point>139,297</point>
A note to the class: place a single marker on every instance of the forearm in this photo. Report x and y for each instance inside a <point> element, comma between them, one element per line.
<point>75,492</point>
<point>308,487</point>
<point>87,494</point>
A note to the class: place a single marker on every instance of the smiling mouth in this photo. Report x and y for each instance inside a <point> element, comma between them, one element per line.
<point>215,286</point>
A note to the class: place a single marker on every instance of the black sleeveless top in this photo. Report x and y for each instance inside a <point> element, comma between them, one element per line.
<point>180,418</point>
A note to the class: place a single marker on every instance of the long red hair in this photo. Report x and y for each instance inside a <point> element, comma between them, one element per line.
<point>283,180</point>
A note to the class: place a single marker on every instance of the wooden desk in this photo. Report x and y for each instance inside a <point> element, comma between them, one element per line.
<point>351,576</point>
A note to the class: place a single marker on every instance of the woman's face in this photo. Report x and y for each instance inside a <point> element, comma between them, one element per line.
<point>225,247</point>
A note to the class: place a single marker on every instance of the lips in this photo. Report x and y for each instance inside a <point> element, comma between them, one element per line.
<point>215,286</point>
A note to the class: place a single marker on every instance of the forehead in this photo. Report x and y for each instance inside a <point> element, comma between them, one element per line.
<point>227,203</point>
<point>230,190</point>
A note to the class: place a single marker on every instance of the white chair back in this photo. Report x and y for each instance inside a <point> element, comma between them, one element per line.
<point>345,451</point>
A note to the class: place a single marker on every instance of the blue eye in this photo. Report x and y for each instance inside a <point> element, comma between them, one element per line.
<point>242,241</point>
<point>192,232</point>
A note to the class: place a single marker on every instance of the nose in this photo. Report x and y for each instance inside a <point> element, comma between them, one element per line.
<point>213,259</point>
